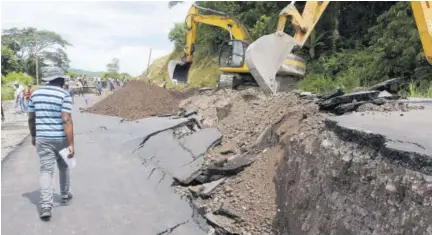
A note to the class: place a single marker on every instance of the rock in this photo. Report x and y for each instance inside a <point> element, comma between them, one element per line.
<point>227,148</point>
<point>228,212</point>
<point>267,138</point>
<point>221,223</point>
<point>196,190</point>
<point>379,101</point>
<point>391,187</point>
<point>223,111</point>
<point>209,187</point>
<point>348,98</point>
<point>326,143</point>
<point>344,108</point>
<point>233,165</point>
<point>384,85</point>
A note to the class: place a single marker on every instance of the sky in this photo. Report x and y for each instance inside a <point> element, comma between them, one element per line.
<point>100,31</point>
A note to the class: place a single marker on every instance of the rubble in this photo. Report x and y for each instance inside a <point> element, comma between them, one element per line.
<point>259,170</point>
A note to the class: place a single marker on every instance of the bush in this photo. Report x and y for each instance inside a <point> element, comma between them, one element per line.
<point>21,78</point>
<point>7,93</point>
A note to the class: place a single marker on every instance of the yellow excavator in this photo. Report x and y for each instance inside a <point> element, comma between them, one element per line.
<point>231,58</point>
<point>267,53</point>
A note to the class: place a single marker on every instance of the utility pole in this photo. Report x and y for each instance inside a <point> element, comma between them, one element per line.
<point>36,62</point>
<point>148,63</point>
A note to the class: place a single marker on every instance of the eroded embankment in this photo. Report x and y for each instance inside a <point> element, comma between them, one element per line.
<point>326,185</point>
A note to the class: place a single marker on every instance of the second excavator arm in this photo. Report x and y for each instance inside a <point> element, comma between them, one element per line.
<point>303,23</point>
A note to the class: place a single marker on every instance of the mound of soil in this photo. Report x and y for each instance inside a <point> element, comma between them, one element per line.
<point>139,99</point>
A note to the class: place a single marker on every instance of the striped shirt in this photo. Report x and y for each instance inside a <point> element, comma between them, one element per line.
<point>48,103</point>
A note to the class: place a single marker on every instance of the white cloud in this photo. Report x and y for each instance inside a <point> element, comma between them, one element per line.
<point>100,31</point>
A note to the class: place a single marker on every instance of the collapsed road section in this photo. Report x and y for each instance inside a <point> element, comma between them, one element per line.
<point>295,163</point>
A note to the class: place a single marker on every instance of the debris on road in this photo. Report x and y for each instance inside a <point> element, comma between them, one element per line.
<point>362,100</point>
<point>139,99</point>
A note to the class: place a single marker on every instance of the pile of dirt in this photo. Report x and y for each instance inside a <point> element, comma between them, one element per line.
<point>140,99</point>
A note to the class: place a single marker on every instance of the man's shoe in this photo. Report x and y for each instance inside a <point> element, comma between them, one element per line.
<point>45,213</point>
<point>66,198</point>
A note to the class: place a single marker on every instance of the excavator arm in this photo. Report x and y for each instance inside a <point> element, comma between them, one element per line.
<point>236,30</point>
<point>178,70</point>
<point>423,18</point>
<point>303,23</point>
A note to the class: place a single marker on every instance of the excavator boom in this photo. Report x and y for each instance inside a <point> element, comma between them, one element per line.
<point>178,70</point>
<point>423,17</point>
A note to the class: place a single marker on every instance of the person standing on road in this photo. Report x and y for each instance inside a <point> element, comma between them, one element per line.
<point>99,87</point>
<point>27,94</point>
<point>80,87</point>
<point>19,98</point>
<point>51,129</point>
<point>2,114</point>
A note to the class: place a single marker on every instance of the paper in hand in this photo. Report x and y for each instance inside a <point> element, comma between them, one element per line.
<point>71,162</point>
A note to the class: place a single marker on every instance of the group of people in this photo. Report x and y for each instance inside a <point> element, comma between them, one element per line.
<point>22,97</point>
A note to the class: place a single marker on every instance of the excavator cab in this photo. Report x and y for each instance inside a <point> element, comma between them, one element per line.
<point>232,54</point>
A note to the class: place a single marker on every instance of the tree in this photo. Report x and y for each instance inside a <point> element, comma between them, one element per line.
<point>58,58</point>
<point>27,38</point>
<point>113,67</point>
<point>177,35</point>
<point>9,62</point>
<point>23,43</point>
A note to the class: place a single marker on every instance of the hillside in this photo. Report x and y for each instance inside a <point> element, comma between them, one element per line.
<point>204,72</point>
<point>86,72</point>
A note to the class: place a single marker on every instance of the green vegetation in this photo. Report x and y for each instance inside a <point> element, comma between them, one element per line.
<point>76,72</point>
<point>355,44</point>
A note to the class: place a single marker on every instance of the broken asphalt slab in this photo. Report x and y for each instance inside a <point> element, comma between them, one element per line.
<point>112,192</point>
<point>348,98</point>
<point>182,159</point>
<point>403,139</point>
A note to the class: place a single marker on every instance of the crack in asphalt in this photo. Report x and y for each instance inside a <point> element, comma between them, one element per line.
<point>171,229</point>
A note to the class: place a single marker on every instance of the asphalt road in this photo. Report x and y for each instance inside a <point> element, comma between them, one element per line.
<point>113,193</point>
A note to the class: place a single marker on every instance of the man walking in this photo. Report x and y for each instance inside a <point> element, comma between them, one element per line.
<point>51,128</point>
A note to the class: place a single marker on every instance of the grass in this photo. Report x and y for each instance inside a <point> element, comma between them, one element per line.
<point>416,91</point>
<point>203,73</point>
<point>317,83</point>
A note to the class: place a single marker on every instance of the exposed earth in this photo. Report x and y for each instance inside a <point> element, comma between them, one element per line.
<point>288,137</point>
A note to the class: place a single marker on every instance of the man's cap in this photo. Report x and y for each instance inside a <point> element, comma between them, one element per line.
<point>51,73</point>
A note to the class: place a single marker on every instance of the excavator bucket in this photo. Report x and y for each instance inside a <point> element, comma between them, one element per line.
<point>265,56</point>
<point>178,71</point>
